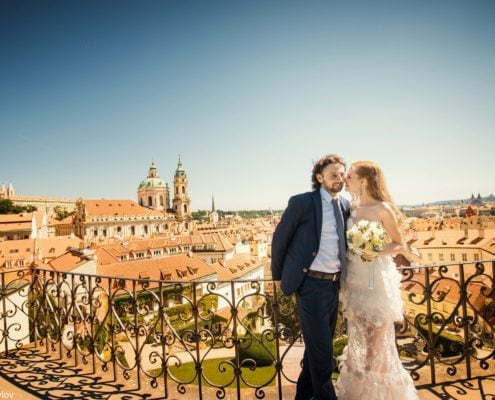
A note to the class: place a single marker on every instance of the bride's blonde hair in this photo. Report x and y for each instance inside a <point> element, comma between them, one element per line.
<point>377,187</point>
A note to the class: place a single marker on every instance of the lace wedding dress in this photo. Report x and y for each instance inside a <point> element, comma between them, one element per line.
<point>370,367</point>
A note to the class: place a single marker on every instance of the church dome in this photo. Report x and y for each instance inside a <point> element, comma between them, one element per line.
<point>153,180</point>
<point>152,183</point>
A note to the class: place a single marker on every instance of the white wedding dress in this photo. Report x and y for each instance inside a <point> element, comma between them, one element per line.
<point>370,367</point>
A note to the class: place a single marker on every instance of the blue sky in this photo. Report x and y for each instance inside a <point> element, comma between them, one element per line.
<point>250,93</point>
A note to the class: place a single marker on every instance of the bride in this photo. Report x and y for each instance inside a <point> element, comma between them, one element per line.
<point>370,367</point>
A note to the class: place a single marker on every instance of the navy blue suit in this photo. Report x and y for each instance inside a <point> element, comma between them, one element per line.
<point>295,244</point>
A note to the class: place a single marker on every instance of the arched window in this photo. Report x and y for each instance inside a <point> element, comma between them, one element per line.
<point>133,230</point>
<point>141,202</point>
<point>161,201</point>
<point>150,201</point>
<point>177,190</point>
<point>104,233</point>
<point>185,208</point>
<point>146,229</point>
<point>95,233</point>
<point>183,189</point>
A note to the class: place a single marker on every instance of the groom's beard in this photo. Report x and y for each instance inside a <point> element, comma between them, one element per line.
<point>335,188</point>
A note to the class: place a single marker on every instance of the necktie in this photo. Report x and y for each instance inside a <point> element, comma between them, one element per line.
<point>339,218</point>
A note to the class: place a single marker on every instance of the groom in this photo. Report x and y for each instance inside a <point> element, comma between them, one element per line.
<point>308,256</point>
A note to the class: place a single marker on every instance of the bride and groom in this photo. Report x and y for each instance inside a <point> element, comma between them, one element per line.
<point>311,258</point>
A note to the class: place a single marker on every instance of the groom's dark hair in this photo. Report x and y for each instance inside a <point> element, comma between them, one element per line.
<point>321,164</point>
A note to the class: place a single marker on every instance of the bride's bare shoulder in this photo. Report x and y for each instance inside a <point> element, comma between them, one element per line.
<point>385,209</point>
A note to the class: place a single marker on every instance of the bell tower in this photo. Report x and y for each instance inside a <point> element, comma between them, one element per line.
<point>182,201</point>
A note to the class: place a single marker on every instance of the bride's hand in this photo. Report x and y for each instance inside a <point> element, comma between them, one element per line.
<point>368,256</point>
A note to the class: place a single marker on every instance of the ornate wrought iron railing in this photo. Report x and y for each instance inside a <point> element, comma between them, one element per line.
<point>232,338</point>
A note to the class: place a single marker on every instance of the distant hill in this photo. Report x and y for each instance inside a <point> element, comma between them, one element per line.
<point>487,199</point>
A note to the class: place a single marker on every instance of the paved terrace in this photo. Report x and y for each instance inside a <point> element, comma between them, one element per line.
<point>86,337</point>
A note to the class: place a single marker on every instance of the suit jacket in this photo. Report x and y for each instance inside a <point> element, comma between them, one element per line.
<point>296,239</point>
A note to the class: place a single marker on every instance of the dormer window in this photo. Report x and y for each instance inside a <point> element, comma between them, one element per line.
<point>192,270</point>
<point>166,277</point>
<point>181,273</point>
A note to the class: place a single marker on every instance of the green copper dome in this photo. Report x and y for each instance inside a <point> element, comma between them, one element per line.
<point>152,183</point>
<point>153,180</point>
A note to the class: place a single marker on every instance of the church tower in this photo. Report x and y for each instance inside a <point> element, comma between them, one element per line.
<point>182,201</point>
<point>10,191</point>
<point>153,192</point>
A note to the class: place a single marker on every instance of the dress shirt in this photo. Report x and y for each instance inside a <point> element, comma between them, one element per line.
<point>327,259</point>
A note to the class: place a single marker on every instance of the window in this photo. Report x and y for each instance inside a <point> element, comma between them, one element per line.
<point>161,201</point>
<point>452,257</point>
<point>146,229</point>
<point>123,257</point>
<point>183,189</point>
<point>172,250</point>
<point>8,264</point>
<point>157,252</point>
<point>14,251</point>
<point>150,201</point>
<point>476,257</point>
<point>133,230</point>
<point>430,257</point>
<point>21,263</point>
<point>140,255</point>
<point>157,228</point>
<point>95,233</point>
<point>440,256</point>
<point>464,257</point>
<point>185,208</point>
<point>104,233</point>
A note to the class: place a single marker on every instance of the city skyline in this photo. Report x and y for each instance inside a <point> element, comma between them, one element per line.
<point>248,94</point>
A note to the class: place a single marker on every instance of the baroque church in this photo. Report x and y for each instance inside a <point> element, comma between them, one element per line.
<point>154,194</point>
<point>154,214</point>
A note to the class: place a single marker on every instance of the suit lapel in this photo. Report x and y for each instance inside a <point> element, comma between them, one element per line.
<point>318,213</point>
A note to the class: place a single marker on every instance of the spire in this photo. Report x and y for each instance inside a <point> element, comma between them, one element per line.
<point>10,190</point>
<point>212,203</point>
<point>180,169</point>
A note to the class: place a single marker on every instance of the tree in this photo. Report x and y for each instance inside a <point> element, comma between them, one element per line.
<point>8,207</point>
<point>62,213</point>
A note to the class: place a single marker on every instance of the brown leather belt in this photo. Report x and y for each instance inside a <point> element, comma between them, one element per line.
<point>324,275</point>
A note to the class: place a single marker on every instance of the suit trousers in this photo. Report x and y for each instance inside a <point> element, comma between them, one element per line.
<point>317,305</point>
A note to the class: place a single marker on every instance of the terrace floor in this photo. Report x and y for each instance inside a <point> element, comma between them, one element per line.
<point>29,374</point>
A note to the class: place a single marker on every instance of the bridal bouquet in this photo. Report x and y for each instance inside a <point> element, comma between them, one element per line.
<point>366,236</point>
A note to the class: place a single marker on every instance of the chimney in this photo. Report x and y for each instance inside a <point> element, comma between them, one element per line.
<point>481,233</point>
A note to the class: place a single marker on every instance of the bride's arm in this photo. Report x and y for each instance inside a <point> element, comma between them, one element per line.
<point>391,226</point>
